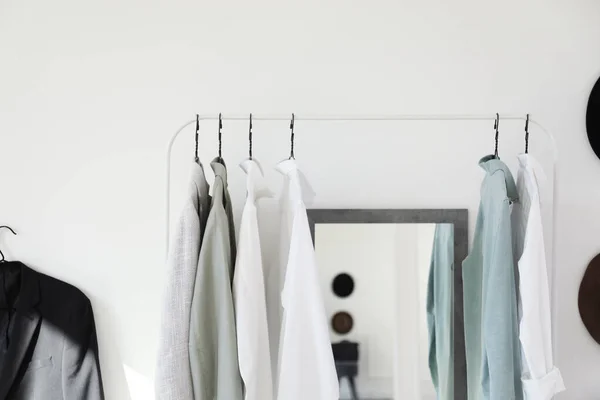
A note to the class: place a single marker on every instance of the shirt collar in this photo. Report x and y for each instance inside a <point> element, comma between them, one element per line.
<point>289,168</point>
<point>220,170</point>
<point>255,182</point>
<point>528,162</point>
<point>200,185</point>
<point>492,164</point>
<point>29,293</point>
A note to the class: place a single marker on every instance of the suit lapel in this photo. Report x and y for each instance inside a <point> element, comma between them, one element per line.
<point>22,342</point>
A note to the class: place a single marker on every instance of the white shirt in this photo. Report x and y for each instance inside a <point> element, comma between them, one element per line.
<point>306,367</point>
<point>541,379</point>
<point>249,295</point>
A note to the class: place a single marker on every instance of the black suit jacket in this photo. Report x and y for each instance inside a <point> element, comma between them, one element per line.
<point>48,345</point>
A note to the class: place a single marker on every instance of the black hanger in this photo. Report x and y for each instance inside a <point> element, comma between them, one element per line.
<point>250,138</point>
<point>496,127</point>
<point>197,131</point>
<point>3,260</point>
<point>527,135</point>
<point>292,138</point>
<point>220,158</point>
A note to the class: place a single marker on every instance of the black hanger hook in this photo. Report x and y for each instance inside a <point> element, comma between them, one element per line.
<point>220,135</point>
<point>292,137</point>
<point>497,127</point>
<point>197,130</point>
<point>250,138</point>
<point>14,233</point>
<point>527,135</point>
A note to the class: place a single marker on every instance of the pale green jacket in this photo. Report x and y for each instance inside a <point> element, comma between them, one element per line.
<point>439,312</point>
<point>212,342</point>
<point>490,298</point>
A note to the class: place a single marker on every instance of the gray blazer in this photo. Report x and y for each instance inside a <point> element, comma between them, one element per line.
<point>48,345</point>
<point>213,344</point>
<point>173,375</point>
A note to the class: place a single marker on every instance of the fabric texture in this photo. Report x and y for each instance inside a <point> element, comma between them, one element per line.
<point>541,379</point>
<point>306,368</point>
<point>50,351</point>
<point>173,374</point>
<point>249,294</point>
<point>439,312</point>
<point>490,297</point>
<point>212,340</point>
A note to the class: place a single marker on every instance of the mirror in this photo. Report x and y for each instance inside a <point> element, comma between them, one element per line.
<point>393,295</point>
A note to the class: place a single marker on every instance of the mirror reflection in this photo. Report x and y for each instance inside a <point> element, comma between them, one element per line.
<point>388,292</point>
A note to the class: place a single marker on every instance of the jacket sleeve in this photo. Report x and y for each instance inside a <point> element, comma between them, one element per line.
<point>501,374</point>
<point>81,377</point>
<point>173,375</point>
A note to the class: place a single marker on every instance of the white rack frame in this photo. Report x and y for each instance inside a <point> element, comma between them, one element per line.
<point>398,117</point>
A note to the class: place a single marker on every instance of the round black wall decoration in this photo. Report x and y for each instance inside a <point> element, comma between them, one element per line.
<point>343,285</point>
<point>593,119</point>
<point>589,298</point>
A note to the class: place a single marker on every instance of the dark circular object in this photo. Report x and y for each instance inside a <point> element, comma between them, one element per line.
<point>589,298</point>
<point>342,323</point>
<point>343,285</point>
<point>593,119</point>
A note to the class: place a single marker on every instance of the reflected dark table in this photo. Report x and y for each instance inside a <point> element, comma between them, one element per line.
<point>345,354</point>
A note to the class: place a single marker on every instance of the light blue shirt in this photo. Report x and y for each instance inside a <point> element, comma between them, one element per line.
<point>439,312</point>
<point>490,298</point>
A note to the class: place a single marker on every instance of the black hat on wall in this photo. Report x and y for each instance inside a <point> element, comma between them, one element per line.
<point>593,118</point>
<point>589,298</point>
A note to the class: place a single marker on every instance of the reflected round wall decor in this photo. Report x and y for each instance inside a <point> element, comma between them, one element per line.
<point>342,323</point>
<point>343,285</point>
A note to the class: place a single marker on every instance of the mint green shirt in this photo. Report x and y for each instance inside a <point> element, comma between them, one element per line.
<point>490,298</point>
<point>439,312</point>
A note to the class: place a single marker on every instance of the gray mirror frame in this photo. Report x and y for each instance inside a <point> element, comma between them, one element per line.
<point>459,218</point>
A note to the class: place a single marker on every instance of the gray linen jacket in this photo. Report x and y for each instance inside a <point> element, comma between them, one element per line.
<point>212,341</point>
<point>173,375</point>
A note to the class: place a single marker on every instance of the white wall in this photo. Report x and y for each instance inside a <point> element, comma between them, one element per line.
<point>90,92</point>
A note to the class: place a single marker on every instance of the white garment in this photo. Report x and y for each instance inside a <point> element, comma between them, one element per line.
<point>541,379</point>
<point>306,367</point>
<point>249,294</point>
<point>173,375</point>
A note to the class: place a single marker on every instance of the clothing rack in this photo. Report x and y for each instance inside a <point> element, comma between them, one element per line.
<point>395,117</point>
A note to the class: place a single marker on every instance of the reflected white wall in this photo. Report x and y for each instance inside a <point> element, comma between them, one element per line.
<point>367,253</point>
<point>390,264</point>
<point>425,235</point>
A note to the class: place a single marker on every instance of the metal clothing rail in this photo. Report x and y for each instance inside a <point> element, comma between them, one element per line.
<point>398,117</point>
